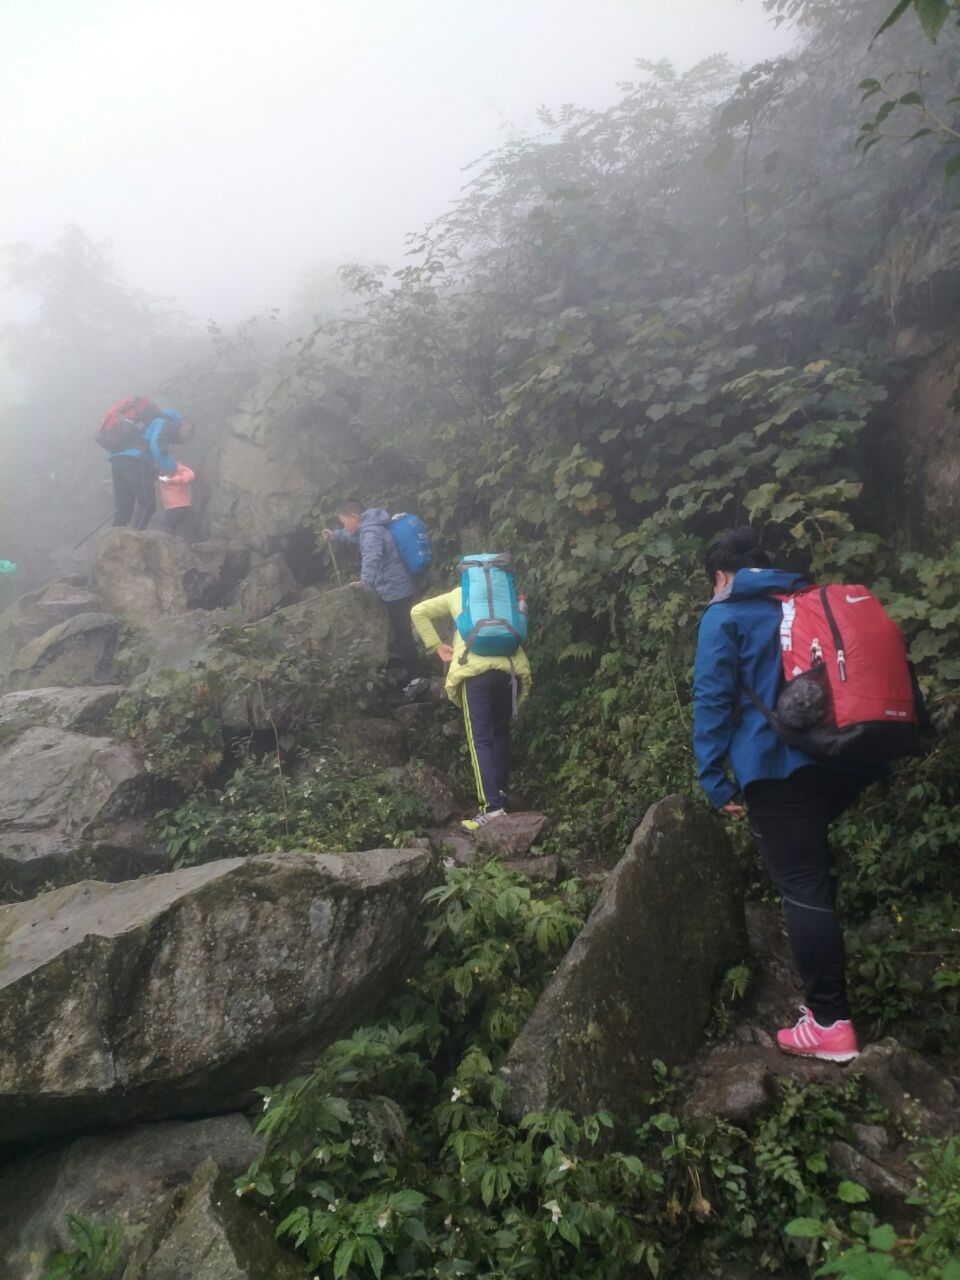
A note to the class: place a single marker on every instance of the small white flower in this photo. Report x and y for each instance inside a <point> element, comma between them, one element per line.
<point>377,1157</point>
<point>448,1221</point>
<point>332,1208</point>
<point>566,1163</point>
<point>383,1219</point>
<point>455,1095</point>
<point>320,1155</point>
<point>449,864</point>
<point>266,1103</point>
<point>556,1212</point>
<point>355,1140</point>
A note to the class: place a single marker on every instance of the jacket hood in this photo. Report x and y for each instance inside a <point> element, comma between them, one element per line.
<point>375,516</point>
<point>749,583</point>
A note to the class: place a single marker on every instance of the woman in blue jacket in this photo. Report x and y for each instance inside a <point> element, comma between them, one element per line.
<point>790,798</point>
<point>135,468</point>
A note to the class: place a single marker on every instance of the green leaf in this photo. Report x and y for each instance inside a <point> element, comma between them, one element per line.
<point>852,1193</point>
<point>883,1238</point>
<point>807,1228</point>
<point>894,16</point>
<point>344,1256</point>
<point>374,1253</point>
<point>932,14</point>
<point>407,1201</point>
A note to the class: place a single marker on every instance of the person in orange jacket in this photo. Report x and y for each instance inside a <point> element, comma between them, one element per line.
<point>177,501</point>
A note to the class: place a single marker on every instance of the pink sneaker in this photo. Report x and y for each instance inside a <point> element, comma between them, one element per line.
<point>837,1043</point>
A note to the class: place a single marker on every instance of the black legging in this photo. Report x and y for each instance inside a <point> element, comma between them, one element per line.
<point>133,492</point>
<point>403,641</point>
<point>789,819</point>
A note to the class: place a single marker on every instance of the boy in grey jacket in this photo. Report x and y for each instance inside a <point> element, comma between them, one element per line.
<point>381,568</point>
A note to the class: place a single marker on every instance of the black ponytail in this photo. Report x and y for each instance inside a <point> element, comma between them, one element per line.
<point>736,549</point>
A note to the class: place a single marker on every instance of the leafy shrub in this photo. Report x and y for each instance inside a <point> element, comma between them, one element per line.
<point>877,1251</point>
<point>394,1157</point>
<point>326,805</point>
<point>97,1251</point>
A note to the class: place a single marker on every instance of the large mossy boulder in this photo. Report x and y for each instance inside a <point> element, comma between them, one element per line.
<point>347,627</point>
<point>177,994</point>
<point>78,651</point>
<point>84,709</point>
<point>71,805</point>
<point>113,1178</point>
<point>203,1232</point>
<point>640,979</point>
<point>145,577</point>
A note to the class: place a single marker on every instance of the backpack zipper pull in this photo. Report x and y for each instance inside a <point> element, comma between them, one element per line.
<point>842,665</point>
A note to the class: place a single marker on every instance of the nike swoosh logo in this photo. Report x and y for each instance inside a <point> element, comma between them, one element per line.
<point>856,599</point>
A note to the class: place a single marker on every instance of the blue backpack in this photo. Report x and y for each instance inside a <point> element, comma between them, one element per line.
<point>493,621</point>
<point>413,541</point>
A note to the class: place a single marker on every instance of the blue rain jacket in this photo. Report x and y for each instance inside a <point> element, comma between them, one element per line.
<point>740,638</point>
<point>380,564</point>
<point>164,462</point>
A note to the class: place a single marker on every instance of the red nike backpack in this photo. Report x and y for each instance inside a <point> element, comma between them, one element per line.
<point>120,427</point>
<point>851,693</point>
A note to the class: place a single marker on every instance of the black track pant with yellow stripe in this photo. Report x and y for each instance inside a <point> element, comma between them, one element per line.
<point>487,711</point>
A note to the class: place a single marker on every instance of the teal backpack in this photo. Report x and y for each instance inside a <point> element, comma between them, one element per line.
<point>493,618</point>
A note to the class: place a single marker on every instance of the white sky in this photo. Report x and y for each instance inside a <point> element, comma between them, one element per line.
<point>222,145</point>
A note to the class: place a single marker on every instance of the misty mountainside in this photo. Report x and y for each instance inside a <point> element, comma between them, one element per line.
<point>266,1011</point>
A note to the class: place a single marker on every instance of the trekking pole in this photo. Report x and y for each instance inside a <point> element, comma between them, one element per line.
<point>333,558</point>
<point>93,531</point>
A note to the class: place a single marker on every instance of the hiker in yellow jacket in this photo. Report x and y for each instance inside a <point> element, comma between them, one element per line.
<point>488,689</point>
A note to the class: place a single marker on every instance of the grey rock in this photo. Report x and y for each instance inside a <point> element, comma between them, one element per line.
<point>33,614</point>
<point>203,1232</point>
<point>740,1083</point>
<point>290,440</point>
<point>546,867</point>
<point>430,785</point>
<point>83,710</point>
<point>177,994</point>
<point>267,587</point>
<point>176,643</point>
<point>872,1139</point>
<point>372,743</point>
<point>511,836</point>
<point>76,652</point>
<point>453,845</point>
<point>736,1087</point>
<point>640,979</point>
<point>888,1187</point>
<point>147,577</point>
<point>71,805</point>
<point>117,1177</point>
<point>923,1100</point>
<point>346,623</point>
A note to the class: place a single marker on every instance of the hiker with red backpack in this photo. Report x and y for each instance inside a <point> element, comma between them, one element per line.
<point>806,692</point>
<point>137,436</point>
